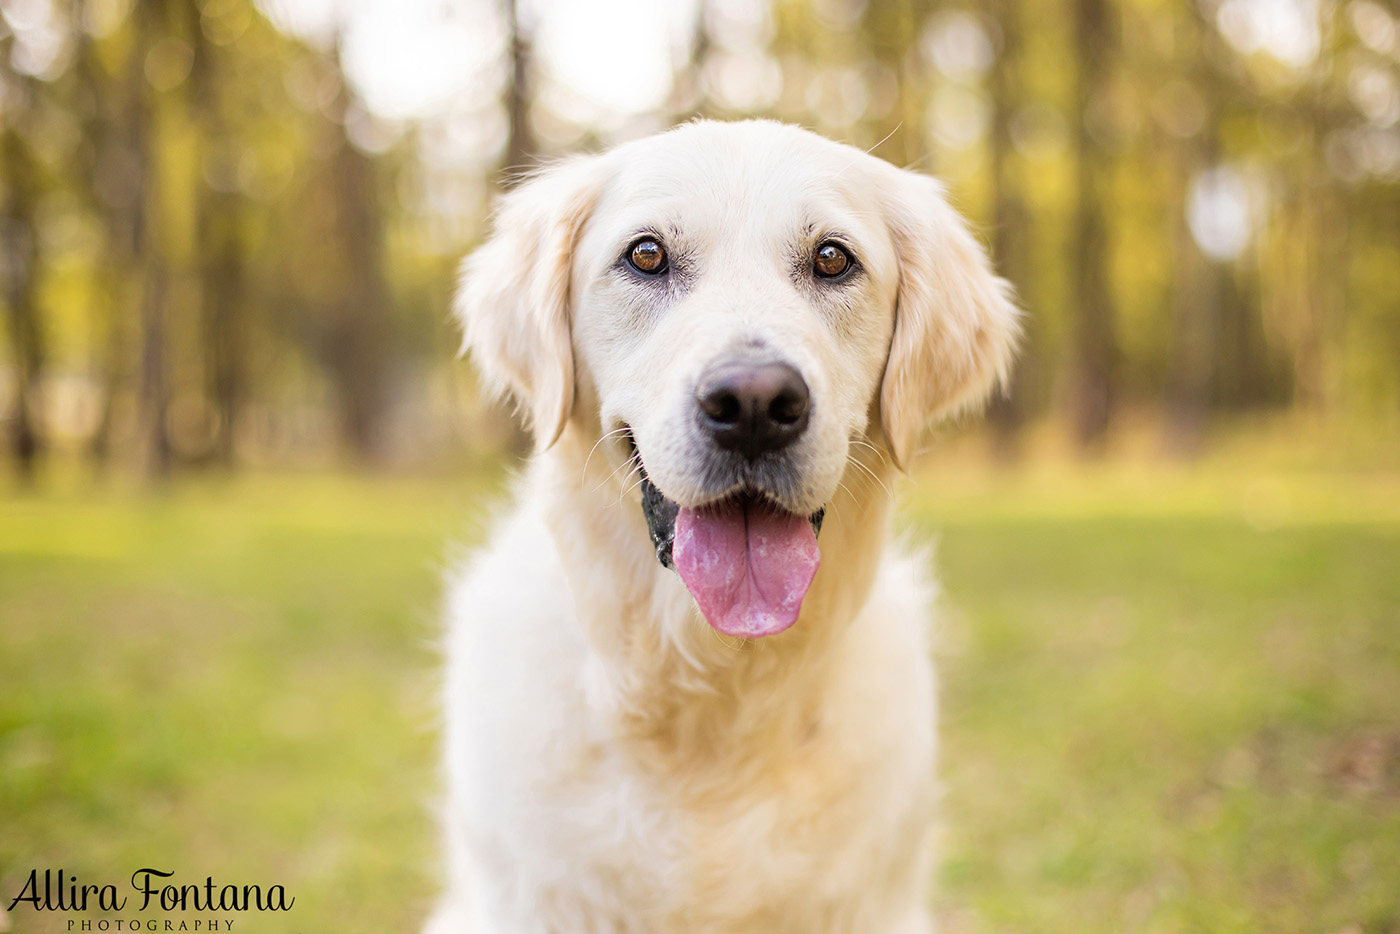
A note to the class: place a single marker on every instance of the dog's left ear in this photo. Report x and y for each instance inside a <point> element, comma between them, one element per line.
<point>513,302</point>
<point>955,327</point>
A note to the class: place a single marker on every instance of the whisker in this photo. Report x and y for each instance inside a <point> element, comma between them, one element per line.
<point>877,145</point>
<point>633,485</point>
<point>834,508</point>
<point>872,474</point>
<point>606,435</point>
<point>878,453</point>
<point>886,139</point>
<point>736,647</point>
<point>630,463</point>
<point>918,162</point>
<point>865,481</point>
<point>834,511</point>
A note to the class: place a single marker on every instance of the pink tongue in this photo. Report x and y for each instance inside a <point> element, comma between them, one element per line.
<point>747,565</point>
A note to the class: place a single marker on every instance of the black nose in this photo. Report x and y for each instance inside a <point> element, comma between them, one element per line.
<point>753,408</point>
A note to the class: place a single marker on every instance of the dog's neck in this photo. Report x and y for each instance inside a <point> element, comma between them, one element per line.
<point>669,677</point>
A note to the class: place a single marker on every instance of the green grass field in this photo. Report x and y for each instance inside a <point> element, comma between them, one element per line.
<point>1171,700</point>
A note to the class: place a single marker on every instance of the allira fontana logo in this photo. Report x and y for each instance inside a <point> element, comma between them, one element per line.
<point>56,890</point>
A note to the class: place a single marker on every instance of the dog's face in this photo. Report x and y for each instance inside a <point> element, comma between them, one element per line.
<point>734,311</point>
<point>732,305</point>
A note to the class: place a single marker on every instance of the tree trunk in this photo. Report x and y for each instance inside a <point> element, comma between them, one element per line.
<point>221,274</point>
<point>153,398</point>
<point>1198,293</point>
<point>360,338</point>
<point>155,391</point>
<point>521,155</point>
<point>1092,377</point>
<point>112,151</point>
<point>688,98</point>
<point>1010,216</point>
<point>358,342</point>
<point>892,29</point>
<point>220,247</point>
<point>1198,286</point>
<point>20,242</point>
<point>521,148</point>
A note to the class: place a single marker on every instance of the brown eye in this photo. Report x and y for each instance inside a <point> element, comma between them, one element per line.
<point>830,261</point>
<point>648,257</point>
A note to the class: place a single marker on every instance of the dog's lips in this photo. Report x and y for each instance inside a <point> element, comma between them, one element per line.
<point>661,515</point>
<point>747,563</point>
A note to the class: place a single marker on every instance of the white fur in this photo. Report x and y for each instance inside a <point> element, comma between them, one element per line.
<point>614,764</point>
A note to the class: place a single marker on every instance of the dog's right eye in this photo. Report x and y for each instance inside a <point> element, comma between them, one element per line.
<point>831,261</point>
<point>647,257</point>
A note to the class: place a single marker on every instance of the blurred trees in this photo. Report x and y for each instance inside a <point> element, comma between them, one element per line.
<point>213,250</point>
<point>187,214</point>
<point>1173,186</point>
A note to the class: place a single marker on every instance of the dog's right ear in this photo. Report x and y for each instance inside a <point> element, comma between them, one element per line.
<point>513,301</point>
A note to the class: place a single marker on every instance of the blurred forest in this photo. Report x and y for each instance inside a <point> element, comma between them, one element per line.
<point>214,251</point>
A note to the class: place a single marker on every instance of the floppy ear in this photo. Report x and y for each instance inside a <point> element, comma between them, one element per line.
<point>513,301</point>
<point>955,326</point>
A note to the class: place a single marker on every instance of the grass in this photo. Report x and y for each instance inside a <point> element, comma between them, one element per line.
<point>1171,699</point>
<point>1172,709</point>
<point>233,680</point>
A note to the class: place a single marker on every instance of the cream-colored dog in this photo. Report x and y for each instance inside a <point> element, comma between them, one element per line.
<point>688,684</point>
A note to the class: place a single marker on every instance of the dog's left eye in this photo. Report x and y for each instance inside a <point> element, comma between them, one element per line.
<point>648,257</point>
<point>830,261</point>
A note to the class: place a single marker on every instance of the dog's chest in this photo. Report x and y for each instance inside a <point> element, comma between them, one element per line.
<point>816,829</point>
<point>803,835</point>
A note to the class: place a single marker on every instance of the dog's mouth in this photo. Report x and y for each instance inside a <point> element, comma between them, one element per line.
<point>747,562</point>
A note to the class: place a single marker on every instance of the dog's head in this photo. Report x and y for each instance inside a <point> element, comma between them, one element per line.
<point>731,306</point>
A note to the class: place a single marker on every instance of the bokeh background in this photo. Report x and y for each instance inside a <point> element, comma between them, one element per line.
<point>239,449</point>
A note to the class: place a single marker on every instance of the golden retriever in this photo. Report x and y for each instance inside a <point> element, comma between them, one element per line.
<point>688,684</point>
